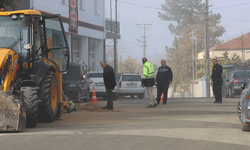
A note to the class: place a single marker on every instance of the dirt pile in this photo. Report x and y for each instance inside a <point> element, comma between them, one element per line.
<point>7,102</point>
<point>9,110</point>
<point>92,107</point>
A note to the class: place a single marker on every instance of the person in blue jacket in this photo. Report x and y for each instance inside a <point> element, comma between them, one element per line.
<point>164,77</point>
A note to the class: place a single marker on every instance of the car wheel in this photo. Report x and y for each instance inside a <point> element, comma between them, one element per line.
<point>239,110</point>
<point>245,127</point>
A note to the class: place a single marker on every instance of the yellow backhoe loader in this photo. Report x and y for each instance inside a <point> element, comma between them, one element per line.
<point>34,54</point>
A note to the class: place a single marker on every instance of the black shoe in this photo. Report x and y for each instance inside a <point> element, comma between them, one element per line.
<point>215,102</point>
<point>164,103</point>
<point>105,107</point>
<point>219,102</point>
<point>155,105</point>
<point>149,106</point>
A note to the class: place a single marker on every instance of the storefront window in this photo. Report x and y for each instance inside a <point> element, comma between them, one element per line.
<point>76,50</point>
<point>91,57</point>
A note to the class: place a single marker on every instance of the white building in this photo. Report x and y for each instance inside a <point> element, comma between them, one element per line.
<point>84,24</point>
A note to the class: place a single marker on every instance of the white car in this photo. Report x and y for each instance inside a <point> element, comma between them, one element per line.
<point>96,79</point>
<point>129,84</point>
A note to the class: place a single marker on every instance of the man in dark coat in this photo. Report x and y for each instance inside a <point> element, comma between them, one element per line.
<point>110,83</point>
<point>164,77</point>
<point>217,81</point>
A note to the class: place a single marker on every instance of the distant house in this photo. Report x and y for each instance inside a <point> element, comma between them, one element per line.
<point>239,46</point>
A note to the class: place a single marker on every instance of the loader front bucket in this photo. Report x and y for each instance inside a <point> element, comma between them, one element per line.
<point>12,113</point>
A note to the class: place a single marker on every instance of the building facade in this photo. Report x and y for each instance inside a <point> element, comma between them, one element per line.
<point>239,46</point>
<point>84,24</point>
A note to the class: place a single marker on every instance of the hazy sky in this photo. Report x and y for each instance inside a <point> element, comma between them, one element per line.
<point>235,18</point>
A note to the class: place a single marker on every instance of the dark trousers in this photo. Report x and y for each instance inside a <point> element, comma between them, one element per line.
<point>217,93</point>
<point>110,97</point>
<point>162,88</point>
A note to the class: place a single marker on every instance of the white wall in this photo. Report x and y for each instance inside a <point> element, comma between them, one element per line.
<point>213,54</point>
<point>87,15</point>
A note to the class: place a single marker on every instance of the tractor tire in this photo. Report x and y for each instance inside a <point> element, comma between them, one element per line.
<point>31,105</point>
<point>49,96</point>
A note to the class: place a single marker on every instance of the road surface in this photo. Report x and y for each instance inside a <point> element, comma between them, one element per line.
<point>192,124</point>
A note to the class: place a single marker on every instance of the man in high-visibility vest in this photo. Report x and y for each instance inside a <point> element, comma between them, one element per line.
<point>148,81</point>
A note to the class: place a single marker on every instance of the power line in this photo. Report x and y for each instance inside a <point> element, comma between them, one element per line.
<point>131,41</point>
<point>228,36</point>
<point>231,5</point>
<point>150,44</point>
<point>129,47</point>
<point>236,19</point>
<point>140,5</point>
<point>129,50</point>
<point>236,27</point>
<point>156,48</point>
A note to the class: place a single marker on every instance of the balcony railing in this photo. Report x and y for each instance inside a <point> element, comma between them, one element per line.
<point>111,26</point>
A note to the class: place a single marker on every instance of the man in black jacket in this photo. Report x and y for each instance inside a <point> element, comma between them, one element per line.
<point>109,81</point>
<point>217,81</point>
<point>164,77</point>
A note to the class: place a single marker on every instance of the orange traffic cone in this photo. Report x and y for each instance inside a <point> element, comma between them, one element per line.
<point>94,100</point>
<point>162,95</point>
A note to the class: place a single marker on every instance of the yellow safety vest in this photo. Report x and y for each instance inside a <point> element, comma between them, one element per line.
<point>148,71</point>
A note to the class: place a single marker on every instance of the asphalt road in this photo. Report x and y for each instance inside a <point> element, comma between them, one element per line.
<point>182,124</point>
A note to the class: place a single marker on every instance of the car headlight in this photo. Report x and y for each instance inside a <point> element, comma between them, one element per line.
<point>72,85</point>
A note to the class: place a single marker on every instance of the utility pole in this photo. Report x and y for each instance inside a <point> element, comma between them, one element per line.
<point>121,63</point>
<point>242,45</point>
<point>115,43</point>
<point>196,58</point>
<point>192,62</point>
<point>144,36</point>
<point>207,66</point>
<point>192,54</point>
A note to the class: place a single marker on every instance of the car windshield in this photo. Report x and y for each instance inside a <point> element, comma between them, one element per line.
<point>131,78</point>
<point>73,73</point>
<point>95,75</point>
<point>12,34</point>
<point>242,74</point>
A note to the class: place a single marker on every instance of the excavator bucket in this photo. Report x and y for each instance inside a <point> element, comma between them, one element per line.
<point>12,113</point>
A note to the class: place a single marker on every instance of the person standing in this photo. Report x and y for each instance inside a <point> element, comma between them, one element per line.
<point>217,81</point>
<point>148,81</point>
<point>110,83</point>
<point>164,77</point>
